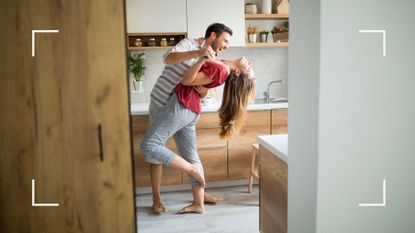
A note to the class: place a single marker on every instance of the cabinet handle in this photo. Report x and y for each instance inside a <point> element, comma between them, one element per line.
<point>212,148</point>
<point>209,127</point>
<point>101,151</point>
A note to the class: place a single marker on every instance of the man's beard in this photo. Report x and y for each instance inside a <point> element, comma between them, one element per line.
<point>214,46</point>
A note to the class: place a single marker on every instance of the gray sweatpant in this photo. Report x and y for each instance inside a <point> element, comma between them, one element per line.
<point>173,120</point>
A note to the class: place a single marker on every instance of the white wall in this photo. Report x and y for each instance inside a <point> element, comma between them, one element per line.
<point>365,121</point>
<point>303,96</point>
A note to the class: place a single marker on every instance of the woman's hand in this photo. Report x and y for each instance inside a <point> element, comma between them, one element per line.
<point>207,53</point>
<point>201,90</point>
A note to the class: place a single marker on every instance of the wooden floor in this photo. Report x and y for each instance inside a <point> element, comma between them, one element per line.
<point>238,213</point>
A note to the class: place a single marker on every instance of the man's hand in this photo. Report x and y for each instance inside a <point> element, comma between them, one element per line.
<point>207,52</point>
<point>201,90</point>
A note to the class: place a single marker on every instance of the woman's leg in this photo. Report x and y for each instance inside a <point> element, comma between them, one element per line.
<point>186,145</point>
<point>171,118</point>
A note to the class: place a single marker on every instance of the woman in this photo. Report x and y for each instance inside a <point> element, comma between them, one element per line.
<point>179,116</point>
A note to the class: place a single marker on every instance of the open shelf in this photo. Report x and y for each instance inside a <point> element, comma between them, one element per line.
<point>267,16</point>
<point>145,38</point>
<point>268,44</point>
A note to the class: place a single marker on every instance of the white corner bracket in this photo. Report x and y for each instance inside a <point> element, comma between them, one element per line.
<point>34,35</point>
<point>383,204</point>
<point>383,37</point>
<point>40,204</point>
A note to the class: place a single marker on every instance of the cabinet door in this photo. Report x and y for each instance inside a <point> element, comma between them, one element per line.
<point>273,192</point>
<point>214,162</point>
<point>141,167</point>
<point>51,108</point>
<point>147,16</point>
<point>240,149</point>
<point>202,13</point>
<point>279,121</point>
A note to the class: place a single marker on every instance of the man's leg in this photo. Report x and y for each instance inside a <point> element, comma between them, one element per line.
<point>156,172</point>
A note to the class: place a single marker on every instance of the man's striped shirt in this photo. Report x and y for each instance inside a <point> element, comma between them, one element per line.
<point>173,74</point>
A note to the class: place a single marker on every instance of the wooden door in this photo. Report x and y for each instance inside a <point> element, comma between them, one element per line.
<point>240,146</point>
<point>51,107</point>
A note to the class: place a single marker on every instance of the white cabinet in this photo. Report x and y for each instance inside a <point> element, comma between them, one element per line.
<point>149,16</point>
<point>202,13</point>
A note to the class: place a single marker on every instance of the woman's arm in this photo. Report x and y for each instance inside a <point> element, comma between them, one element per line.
<point>193,77</point>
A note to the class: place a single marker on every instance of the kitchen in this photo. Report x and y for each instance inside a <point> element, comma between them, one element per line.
<point>67,149</point>
<point>226,163</point>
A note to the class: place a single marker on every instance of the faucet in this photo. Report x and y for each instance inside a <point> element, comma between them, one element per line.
<point>266,94</point>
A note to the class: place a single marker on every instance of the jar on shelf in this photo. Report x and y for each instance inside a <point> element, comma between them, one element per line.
<point>171,41</point>
<point>163,42</point>
<point>152,42</point>
<point>138,42</point>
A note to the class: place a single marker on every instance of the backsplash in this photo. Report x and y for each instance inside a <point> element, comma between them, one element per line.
<point>270,63</point>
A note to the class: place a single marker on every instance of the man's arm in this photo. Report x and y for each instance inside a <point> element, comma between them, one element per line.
<point>179,57</point>
<point>193,77</point>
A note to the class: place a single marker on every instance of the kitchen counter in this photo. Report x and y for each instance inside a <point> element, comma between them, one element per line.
<point>142,108</point>
<point>276,144</point>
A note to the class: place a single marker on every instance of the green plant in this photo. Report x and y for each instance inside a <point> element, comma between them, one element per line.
<point>263,32</point>
<point>136,65</point>
<point>286,25</point>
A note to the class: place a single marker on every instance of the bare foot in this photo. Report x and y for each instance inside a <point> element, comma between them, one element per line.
<point>196,174</point>
<point>211,199</point>
<point>158,207</point>
<point>192,208</point>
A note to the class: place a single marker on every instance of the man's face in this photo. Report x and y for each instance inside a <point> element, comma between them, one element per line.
<point>220,43</point>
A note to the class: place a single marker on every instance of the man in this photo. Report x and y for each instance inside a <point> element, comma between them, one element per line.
<point>178,60</point>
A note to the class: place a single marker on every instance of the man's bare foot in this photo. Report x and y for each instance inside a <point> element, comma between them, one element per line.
<point>158,208</point>
<point>192,208</point>
<point>196,174</point>
<point>212,199</point>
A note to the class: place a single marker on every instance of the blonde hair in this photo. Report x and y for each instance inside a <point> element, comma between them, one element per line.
<point>237,93</point>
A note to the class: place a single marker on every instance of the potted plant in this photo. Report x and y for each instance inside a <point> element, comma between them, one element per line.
<point>263,35</point>
<point>252,32</point>
<point>280,33</point>
<point>136,66</point>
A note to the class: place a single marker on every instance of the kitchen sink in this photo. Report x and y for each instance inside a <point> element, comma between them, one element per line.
<point>271,100</point>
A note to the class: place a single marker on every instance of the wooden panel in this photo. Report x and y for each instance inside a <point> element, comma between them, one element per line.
<point>51,105</point>
<point>208,120</point>
<point>273,193</point>
<point>279,121</point>
<point>140,124</point>
<point>257,123</point>
<point>207,131</point>
<point>214,164</point>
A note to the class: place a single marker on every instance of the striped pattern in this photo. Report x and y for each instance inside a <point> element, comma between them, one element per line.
<point>173,74</point>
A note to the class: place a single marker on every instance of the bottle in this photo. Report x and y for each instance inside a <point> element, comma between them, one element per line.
<point>152,42</point>
<point>171,41</point>
<point>163,42</point>
<point>138,42</point>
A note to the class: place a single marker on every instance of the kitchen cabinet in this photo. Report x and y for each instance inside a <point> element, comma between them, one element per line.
<point>273,184</point>
<point>279,120</point>
<point>240,149</point>
<point>202,13</point>
<point>64,119</point>
<point>223,160</point>
<point>152,16</point>
<point>140,124</point>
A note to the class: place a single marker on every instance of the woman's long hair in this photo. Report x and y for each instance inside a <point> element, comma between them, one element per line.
<point>238,92</point>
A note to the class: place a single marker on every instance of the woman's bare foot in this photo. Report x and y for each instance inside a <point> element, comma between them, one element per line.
<point>196,174</point>
<point>158,207</point>
<point>211,199</point>
<point>192,208</point>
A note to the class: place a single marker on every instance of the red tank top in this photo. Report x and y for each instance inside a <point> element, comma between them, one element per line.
<point>189,97</point>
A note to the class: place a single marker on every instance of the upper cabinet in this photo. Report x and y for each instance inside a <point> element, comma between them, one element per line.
<point>149,16</point>
<point>202,13</point>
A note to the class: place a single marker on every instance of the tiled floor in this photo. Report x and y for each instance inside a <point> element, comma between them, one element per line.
<point>238,213</point>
